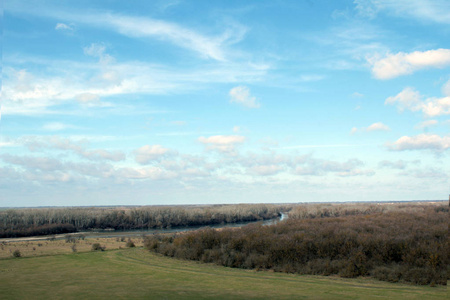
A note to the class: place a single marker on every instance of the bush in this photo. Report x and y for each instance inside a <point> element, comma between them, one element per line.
<point>387,273</point>
<point>130,244</point>
<point>97,247</point>
<point>70,239</point>
<point>395,246</point>
<point>17,253</point>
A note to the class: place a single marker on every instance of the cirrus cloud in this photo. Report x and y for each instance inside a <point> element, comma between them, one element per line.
<point>424,10</point>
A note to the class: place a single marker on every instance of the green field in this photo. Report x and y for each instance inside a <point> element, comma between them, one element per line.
<point>136,273</point>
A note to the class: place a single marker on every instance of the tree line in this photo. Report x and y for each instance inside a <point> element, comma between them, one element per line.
<point>407,244</point>
<point>44,221</point>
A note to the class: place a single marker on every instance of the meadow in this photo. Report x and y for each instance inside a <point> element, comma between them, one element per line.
<point>134,273</point>
<point>50,246</point>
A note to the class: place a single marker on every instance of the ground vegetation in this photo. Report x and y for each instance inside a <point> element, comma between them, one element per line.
<point>396,243</point>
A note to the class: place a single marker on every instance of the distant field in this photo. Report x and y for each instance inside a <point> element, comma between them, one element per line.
<point>61,246</point>
<point>136,273</point>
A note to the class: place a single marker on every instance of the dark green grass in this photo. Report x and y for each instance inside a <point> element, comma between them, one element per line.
<point>138,274</point>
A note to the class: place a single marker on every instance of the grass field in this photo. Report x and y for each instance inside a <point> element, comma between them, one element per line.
<point>60,246</point>
<point>135,273</point>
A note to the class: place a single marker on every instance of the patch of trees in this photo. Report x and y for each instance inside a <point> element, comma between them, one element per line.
<point>44,221</point>
<point>407,245</point>
<point>45,229</point>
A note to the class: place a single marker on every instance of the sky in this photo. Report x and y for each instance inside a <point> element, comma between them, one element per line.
<point>211,102</point>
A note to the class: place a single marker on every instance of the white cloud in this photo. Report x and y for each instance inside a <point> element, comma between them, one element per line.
<point>319,167</point>
<point>95,50</point>
<point>433,107</point>
<point>207,46</point>
<point>311,77</point>
<point>356,172</point>
<point>87,98</point>
<point>266,170</point>
<point>99,50</point>
<point>394,65</point>
<point>149,153</point>
<point>39,163</point>
<point>186,38</point>
<point>153,173</point>
<point>411,99</point>
<point>378,127</point>
<point>241,95</point>
<point>421,142</point>
<point>373,127</point>
<point>425,10</point>
<point>446,88</point>
<point>222,143</point>
<point>178,123</point>
<point>426,124</point>
<point>399,164</point>
<point>35,143</point>
<point>57,126</point>
<point>62,26</point>
<point>44,169</point>
<point>425,173</point>
<point>366,8</point>
<point>100,154</point>
<point>31,93</point>
<point>357,95</point>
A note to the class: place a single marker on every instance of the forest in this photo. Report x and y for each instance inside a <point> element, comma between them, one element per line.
<point>390,242</point>
<point>46,221</point>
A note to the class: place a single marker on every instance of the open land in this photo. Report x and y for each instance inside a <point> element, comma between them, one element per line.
<point>136,273</point>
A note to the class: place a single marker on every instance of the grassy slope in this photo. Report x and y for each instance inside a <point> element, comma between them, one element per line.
<point>135,273</point>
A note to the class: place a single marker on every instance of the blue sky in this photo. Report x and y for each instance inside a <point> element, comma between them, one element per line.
<point>189,102</point>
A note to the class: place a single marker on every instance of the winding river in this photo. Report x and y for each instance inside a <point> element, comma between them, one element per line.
<point>140,232</point>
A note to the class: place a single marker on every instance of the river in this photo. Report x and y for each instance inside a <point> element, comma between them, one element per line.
<point>138,232</point>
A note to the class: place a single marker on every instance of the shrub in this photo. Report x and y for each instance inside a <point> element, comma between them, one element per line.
<point>70,239</point>
<point>17,253</point>
<point>97,246</point>
<point>130,244</point>
<point>401,245</point>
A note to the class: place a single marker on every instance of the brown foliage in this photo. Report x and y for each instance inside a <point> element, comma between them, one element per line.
<point>406,245</point>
